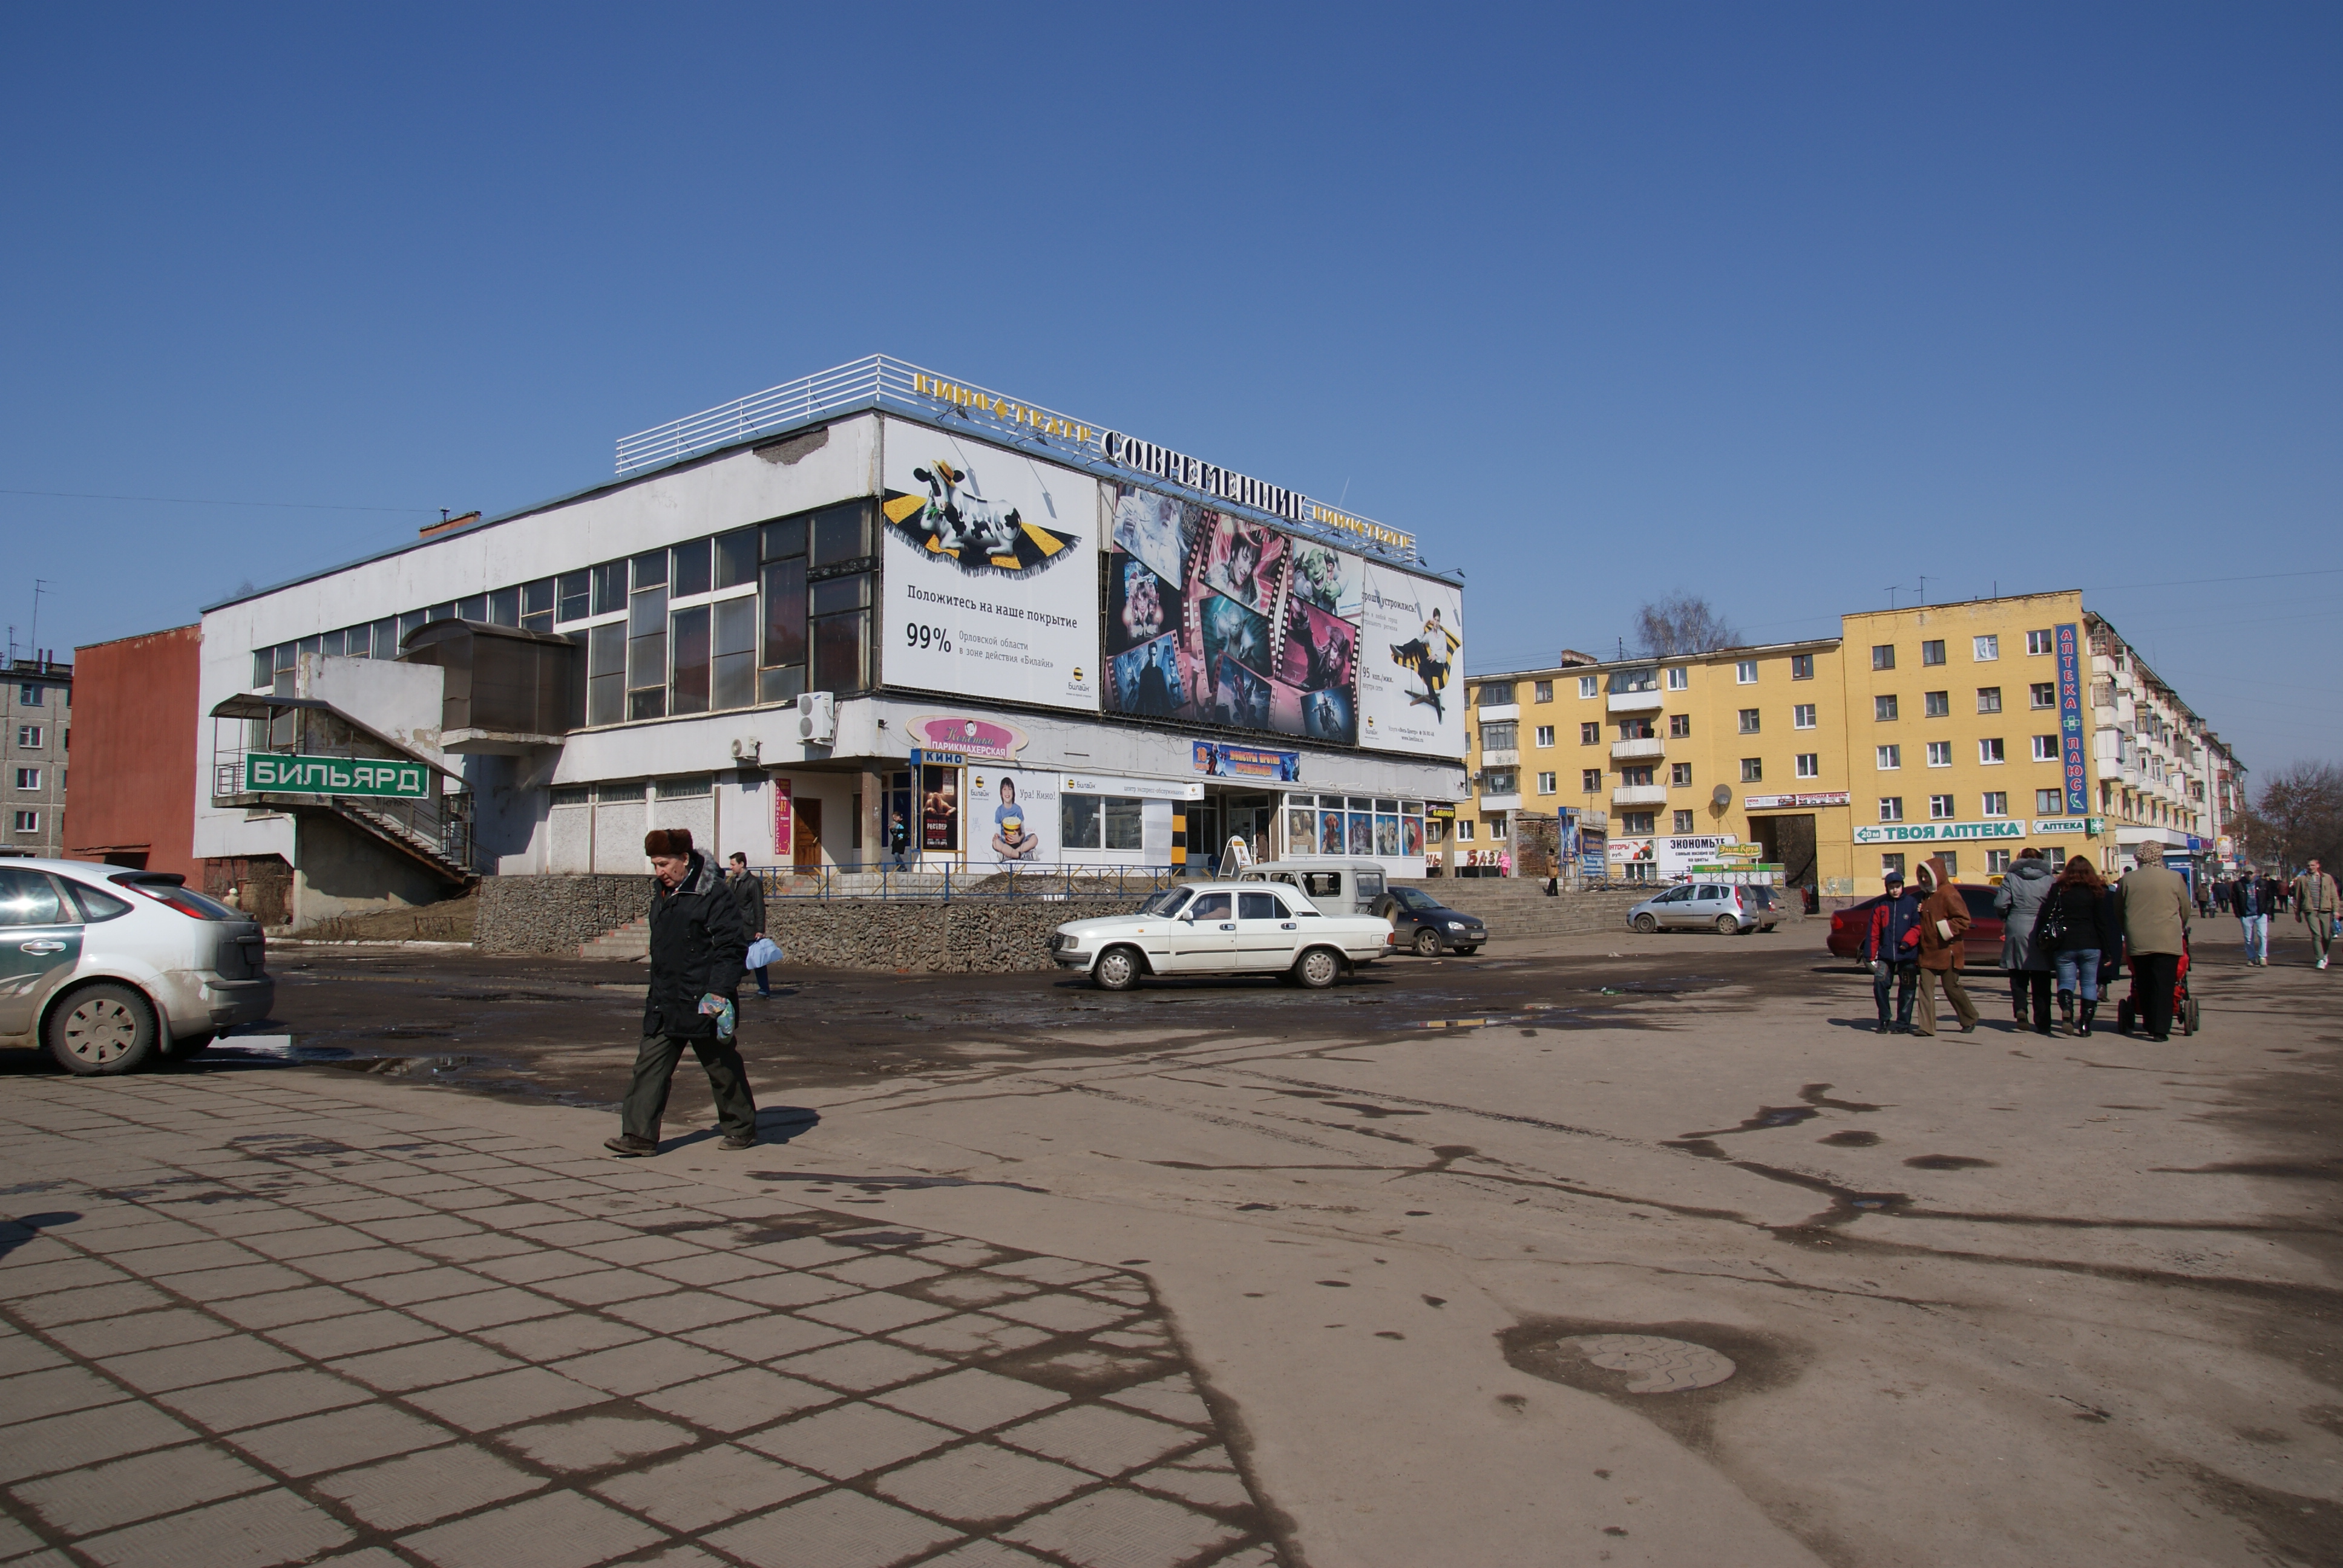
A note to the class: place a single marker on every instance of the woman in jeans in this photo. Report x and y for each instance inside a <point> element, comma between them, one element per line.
<point>2079,905</point>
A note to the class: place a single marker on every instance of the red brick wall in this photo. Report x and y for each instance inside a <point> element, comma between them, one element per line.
<point>131,790</point>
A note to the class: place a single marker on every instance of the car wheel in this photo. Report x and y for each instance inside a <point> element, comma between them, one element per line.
<point>1647,924</point>
<point>1117,968</point>
<point>1318,969</point>
<point>189,1046</point>
<point>1726,926</point>
<point>1427,943</point>
<point>101,1030</point>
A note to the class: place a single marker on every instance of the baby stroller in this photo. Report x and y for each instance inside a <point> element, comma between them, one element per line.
<point>2130,1010</point>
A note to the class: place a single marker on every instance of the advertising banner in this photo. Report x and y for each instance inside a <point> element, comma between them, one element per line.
<point>989,572</point>
<point>1410,648</point>
<point>2068,643</point>
<point>1225,761</point>
<point>1791,802</point>
<point>278,774</point>
<point>784,823</point>
<point>1219,620</point>
<point>1015,815</point>
<point>1936,832</point>
<point>1676,857</point>
<point>2067,826</point>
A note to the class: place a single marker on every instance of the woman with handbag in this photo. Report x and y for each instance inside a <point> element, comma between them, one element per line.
<point>2020,901</point>
<point>2073,927</point>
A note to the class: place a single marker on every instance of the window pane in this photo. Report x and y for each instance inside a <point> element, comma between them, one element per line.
<point>735,684</point>
<point>785,613</point>
<point>647,615</point>
<point>735,558</point>
<point>331,643</point>
<point>605,701</point>
<point>537,597</point>
<point>504,607</point>
<point>841,593</point>
<point>780,683</point>
<point>735,624</point>
<point>573,593</point>
<point>691,569</point>
<point>609,587</point>
<point>264,668</point>
<point>1078,821</point>
<point>838,647</point>
<point>649,570</point>
<point>651,704</point>
<point>691,681</point>
<point>385,638</point>
<point>786,537</point>
<point>1123,816</point>
<point>839,534</point>
<point>473,608</point>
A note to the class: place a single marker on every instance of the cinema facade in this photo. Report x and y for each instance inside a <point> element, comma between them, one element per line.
<point>871,614</point>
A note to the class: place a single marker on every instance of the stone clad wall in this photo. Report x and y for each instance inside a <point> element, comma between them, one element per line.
<point>552,915</point>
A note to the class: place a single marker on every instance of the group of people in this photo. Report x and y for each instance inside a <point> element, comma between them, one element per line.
<point>2065,930</point>
<point>2255,897</point>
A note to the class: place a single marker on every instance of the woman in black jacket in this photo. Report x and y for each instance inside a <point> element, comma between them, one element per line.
<point>2082,909</point>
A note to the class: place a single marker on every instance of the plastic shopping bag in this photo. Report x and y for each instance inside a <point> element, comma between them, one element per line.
<point>762,952</point>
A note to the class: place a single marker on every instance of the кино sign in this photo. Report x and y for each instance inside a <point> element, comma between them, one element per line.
<point>274,774</point>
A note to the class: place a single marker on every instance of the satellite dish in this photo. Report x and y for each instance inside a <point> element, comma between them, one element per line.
<point>1720,796</point>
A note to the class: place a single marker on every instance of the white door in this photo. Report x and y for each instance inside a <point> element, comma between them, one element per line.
<point>1266,932</point>
<point>1204,936</point>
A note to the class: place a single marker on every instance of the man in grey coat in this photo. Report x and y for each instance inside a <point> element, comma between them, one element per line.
<point>2019,902</point>
<point>2156,916</point>
<point>2314,906</point>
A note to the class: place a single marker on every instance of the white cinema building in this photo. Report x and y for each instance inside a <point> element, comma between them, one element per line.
<point>872,609</point>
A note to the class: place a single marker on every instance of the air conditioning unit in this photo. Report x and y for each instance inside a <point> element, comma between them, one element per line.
<point>818,718</point>
<point>746,751</point>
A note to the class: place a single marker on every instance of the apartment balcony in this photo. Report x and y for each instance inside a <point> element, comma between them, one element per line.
<point>1505,757</point>
<point>1512,802</point>
<point>1637,702</point>
<point>1640,795</point>
<point>1650,750</point>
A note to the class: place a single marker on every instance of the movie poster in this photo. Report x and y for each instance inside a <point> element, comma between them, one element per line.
<point>1217,619</point>
<point>990,577</point>
<point>1411,662</point>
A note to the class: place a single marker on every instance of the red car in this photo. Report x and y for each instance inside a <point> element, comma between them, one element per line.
<point>1982,943</point>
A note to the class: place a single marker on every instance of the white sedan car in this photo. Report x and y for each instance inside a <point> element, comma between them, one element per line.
<point>1221,928</point>
<point>109,968</point>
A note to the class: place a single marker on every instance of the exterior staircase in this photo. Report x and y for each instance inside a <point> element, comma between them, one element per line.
<point>386,826</point>
<point>631,943</point>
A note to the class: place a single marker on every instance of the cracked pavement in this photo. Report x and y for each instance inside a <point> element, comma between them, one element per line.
<point>1623,1250</point>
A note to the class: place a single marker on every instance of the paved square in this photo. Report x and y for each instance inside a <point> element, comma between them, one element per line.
<point>386,1341</point>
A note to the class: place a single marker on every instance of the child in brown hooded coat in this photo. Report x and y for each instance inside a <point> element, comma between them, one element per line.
<point>1944,923</point>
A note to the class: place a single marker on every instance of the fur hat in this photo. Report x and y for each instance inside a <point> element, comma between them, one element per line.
<point>671,841</point>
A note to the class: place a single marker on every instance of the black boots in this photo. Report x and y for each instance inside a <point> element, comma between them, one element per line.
<point>2017,984</point>
<point>2089,1009</point>
<point>2067,1008</point>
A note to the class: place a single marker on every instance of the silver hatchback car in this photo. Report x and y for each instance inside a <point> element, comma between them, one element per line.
<point>109,969</point>
<point>1723,906</point>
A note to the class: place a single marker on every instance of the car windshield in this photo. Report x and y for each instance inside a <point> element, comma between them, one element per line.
<point>1413,899</point>
<point>1164,901</point>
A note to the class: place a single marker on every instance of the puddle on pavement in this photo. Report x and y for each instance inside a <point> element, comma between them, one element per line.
<point>1675,1374</point>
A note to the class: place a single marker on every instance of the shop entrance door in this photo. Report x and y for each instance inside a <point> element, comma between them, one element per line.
<point>805,853</point>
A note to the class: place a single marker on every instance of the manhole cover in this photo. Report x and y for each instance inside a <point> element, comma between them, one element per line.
<point>1659,1365</point>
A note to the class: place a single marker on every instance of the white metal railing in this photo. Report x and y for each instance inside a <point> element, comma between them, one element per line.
<point>881,379</point>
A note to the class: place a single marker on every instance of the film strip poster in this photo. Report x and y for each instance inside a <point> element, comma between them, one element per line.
<point>1219,620</point>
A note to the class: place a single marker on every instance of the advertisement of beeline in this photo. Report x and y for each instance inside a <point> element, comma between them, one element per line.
<point>1411,662</point>
<point>992,572</point>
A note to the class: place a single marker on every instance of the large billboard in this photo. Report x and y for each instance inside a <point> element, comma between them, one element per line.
<point>1411,662</point>
<point>1217,619</point>
<point>991,572</point>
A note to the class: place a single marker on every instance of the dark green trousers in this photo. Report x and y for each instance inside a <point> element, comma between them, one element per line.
<point>655,1065</point>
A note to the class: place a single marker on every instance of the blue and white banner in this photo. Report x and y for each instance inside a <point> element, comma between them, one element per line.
<point>2069,643</point>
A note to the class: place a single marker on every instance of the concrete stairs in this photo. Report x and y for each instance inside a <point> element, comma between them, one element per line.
<point>631,943</point>
<point>399,835</point>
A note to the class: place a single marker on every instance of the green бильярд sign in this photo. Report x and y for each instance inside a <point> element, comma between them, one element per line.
<point>268,773</point>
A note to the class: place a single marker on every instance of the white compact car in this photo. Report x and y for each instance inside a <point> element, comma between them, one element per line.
<point>110,968</point>
<point>1221,928</point>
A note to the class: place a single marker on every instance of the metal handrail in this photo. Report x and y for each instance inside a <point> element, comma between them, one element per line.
<point>884,880</point>
<point>441,822</point>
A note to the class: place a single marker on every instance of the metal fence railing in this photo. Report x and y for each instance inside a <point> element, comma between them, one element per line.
<point>886,880</point>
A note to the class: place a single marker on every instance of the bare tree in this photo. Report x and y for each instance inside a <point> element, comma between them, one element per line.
<point>1682,623</point>
<point>2299,815</point>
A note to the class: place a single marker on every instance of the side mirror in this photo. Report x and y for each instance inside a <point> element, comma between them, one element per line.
<point>1187,916</point>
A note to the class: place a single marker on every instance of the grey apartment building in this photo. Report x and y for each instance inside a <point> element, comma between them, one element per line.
<point>38,697</point>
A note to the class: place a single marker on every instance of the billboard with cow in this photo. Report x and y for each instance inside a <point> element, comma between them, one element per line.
<point>990,572</point>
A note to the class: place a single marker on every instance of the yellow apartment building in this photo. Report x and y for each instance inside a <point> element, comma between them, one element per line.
<point>1966,730</point>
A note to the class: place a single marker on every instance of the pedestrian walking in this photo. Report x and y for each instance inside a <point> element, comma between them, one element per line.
<point>1891,946</point>
<point>2155,926</point>
<point>898,839</point>
<point>748,890</point>
<point>1944,924</point>
<point>2314,905</point>
<point>2074,925</point>
<point>2019,900</point>
<point>2247,901</point>
<point>697,948</point>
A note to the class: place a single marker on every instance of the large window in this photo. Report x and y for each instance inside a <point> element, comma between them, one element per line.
<point>1496,693</point>
<point>1100,821</point>
<point>1501,735</point>
<point>647,636</point>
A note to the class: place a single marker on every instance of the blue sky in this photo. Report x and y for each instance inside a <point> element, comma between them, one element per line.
<point>1778,305</point>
